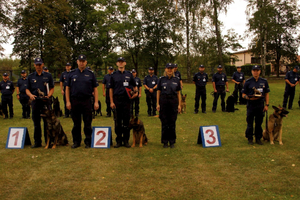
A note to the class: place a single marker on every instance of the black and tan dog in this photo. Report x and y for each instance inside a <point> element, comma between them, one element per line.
<point>274,128</point>
<point>96,112</point>
<point>56,107</point>
<point>54,129</point>
<point>231,101</point>
<point>183,103</point>
<point>139,136</point>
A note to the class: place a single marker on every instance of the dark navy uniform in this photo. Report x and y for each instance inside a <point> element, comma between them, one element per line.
<point>24,98</point>
<point>106,81</point>
<point>220,80</point>
<point>255,107</point>
<point>239,77</point>
<point>35,82</point>
<point>7,89</point>
<point>63,79</point>
<point>177,74</point>
<point>200,80</point>
<point>293,77</point>
<point>151,82</point>
<point>168,102</point>
<point>118,82</point>
<point>81,86</point>
<point>135,103</point>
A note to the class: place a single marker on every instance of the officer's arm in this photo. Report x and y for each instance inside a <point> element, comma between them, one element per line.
<point>51,91</point>
<point>227,86</point>
<point>146,87</point>
<point>31,96</point>
<point>157,100</point>
<point>61,87</point>
<point>181,85</point>
<point>96,105</point>
<point>214,85</point>
<point>288,82</point>
<point>179,101</point>
<point>140,91</point>
<point>103,89</point>
<point>234,81</point>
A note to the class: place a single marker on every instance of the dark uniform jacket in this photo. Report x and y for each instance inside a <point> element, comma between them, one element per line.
<point>119,81</point>
<point>219,79</point>
<point>35,81</point>
<point>168,86</point>
<point>200,79</point>
<point>64,78</point>
<point>238,77</point>
<point>293,77</point>
<point>150,81</point>
<point>22,85</point>
<point>261,85</point>
<point>138,82</point>
<point>106,80</point>
<point>6,88</point>
<point>177,74</point>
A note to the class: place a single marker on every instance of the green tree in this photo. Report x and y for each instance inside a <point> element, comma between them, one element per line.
<point>5,22</point>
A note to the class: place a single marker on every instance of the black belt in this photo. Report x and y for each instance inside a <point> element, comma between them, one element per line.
<point>169,95</point>
<point>81,98</point>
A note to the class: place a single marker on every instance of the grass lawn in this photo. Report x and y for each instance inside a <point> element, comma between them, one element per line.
<point>234,171</point>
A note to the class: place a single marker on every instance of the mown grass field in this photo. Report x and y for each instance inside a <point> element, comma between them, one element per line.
<point>234,171</point>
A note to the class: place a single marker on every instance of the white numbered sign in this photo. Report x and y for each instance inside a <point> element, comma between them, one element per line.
<point>210,136</point>
<point>17,138</point>
<point>101,137</point>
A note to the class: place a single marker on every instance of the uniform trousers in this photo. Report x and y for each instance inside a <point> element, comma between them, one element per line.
<point>200,92</point>
<point>67,111</point>
<point>254,114</point>
<point>37,109</point>
<point>122,118</point>
<point>238,89</point>
<point>135,105</point>
<point>81,109</point>
<point>151,102</point>
<point>25,106</point>
<point>107,101</point>
<point>7,100</point>
<point>220,92</point>
<point>168,116</point>
<point>288,93</point>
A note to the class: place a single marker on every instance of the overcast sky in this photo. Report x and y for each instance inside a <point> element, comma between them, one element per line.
<point>235,18</point>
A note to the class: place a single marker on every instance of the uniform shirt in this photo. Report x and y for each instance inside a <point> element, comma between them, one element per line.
<point>168,86</point>
<point>219,79</point>
<point>261,85</point>
<point>35,81</point>
<point>238,77</point>
<point>150,81</point>
<point>119,81</point>
<point>200,79</point>
<point>106,80</point>
<point>81,84</point>
<point>64,78</point>
<point>293,77</point>
<point>177,74</point>
<point>138,82</point>
<point>6,88</point>
<point>22,85</point>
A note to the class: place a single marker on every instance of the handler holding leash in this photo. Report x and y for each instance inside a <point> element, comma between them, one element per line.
<point>39,80</point>
<point>291,80</point>
<point>22,96</point>
<point>120,101</point>
<point>200,79</point>
<point>168,105</point>
<point>255,105</point>
<point>81,85</point>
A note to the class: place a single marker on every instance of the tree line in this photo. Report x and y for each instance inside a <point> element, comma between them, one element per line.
<point>147,33</point>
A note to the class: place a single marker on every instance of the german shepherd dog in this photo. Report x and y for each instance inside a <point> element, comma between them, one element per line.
<point>54,129</point>
<point>183,103</point>
<point>96,112</point>
<point>56,107</point>
<point>1,111</point>
<point>139,136</point>
<point>274,128</point>
<point>230,102</point>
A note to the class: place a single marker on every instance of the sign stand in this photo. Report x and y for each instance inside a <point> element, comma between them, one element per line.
<point>17,138</point>
<point>209,136</point>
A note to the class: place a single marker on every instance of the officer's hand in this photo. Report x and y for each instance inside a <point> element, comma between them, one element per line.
<point>68,105</point>
<point>62,92</point>
<point>266,108</point>
<point>18,96</point>
<point>140,95</point>
<point>134,96</point>
<point>227,90</point>
<point>179,109</point>
<point>104,94</point>
<point>96,105</point>
<point>215,91</point>
<point>112,105</point>
<point>293,85</point>
<point>151,90</point>
<point>32,97</point>
<point>157,107</point>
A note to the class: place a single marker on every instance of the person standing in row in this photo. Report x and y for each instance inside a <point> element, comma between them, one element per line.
<point>63,83</point>
<point>22,96</point>
<point>168,105</point>
<point>81,86</point>
<point>150,84</point>
<point>238,78</point>
<point>291,80</point>
<point>7,89</point>
<point>105,89</point>
<point>219,82</point>
<point>42,81</point>
<point>178,74</point>
<point>135,103</point>
<point>120,101</point>
<point>200,79</point>
<point>45,69</point>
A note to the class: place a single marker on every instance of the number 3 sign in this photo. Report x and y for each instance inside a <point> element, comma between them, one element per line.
<point>17,137</point>
<point>209,136</point>
<point>101,137</point>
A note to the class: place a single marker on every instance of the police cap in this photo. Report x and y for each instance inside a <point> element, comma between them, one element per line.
<point>110,68</point>
<point>297,67</point>
<point>175,65</point>
<point>121,59</point>
<point>169,65</point>
<point>150,68</point>
<point>220,66</point>
<point>133,71</point>
<point>82,57</point>
<point>45,68</point>
<point>238,67</point>
<point>23,71</point>
<point>68,64</point>
<point>201,66</point>
<point>38,61</point>
<point>5,74</point>
<point>255,67</point>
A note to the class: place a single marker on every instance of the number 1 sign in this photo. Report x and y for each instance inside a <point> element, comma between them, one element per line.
<point>17,138</point>
<point>101,137</point>
<point>209,136</point>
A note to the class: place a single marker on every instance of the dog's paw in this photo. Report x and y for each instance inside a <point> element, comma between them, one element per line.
<point>280,143</point>
<point>271,142</point>
<point>133,145</point>
<point>141,145</point>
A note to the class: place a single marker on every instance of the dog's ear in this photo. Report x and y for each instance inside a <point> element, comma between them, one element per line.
<point>185,95</point>
<point>279,106</point>
<point>275,108</point>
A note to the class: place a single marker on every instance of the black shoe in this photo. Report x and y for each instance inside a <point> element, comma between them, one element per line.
<point>172,146</point>
<point>118,145</point>
<point>108,115</point>
<point>149,115</point>
<point>66,116</point>
<point>196,112</point>
<point>28,117</point>
<point>75,145</point>
<point>23,117</point>
<point>154,114</point>
<point>126,144</point>
<point>137,114</point>
<point>87,146</point>
<point>165,145</point>
<point>250,142</point>
<point>11,117</point>
<point>204,112</point>
<point>36,146</point>
<point>258,142</point>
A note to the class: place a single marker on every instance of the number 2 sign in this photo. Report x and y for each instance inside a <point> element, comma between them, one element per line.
<point>209,136</point>
<point>101,137</point>
<point>17,138</point>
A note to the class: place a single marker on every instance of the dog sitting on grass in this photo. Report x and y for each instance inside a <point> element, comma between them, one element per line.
<point>56,107</point>
<point>183,103</point>
<point>139,136</point>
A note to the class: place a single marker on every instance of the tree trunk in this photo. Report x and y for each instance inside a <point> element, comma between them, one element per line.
<point>188,64</point>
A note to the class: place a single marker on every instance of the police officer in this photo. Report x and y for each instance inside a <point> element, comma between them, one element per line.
<point>238,78</point>
<point>291,80</point>
<point>7,89</point>
<point>200,79</point>
<point>255,105</point>
<point>63,83</point>
<point>219,82</point>
<point>45,69</point>
<point>43,81</point>
<point>120,101</point>
<point>105,89</point>
<point>178,74</point>
<point>22,96</point>
<point>135,103</point>
<point>81,86</point>
<point>168,105</point>
<point>150,84</point>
